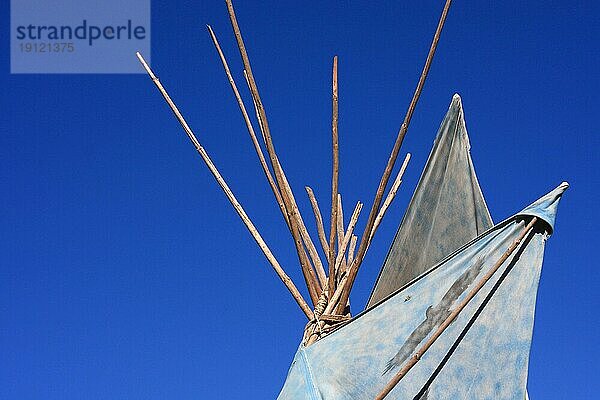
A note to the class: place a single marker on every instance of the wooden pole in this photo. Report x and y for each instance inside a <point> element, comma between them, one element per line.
<point>308,275</point>
<point>250,128</point>
<point>232,199</point>
<point>308,242</point>
<point>257,113</point>
<point>340,237</point>
<point>318,219</point>
<point>301,226</point>
<point>334,176</point>
<point>303,232</point>
<point>390,197</point>
<point>351,249</point>
<point>307,271</point>
<point>340,222</point>
<point>346,238</point>
<point>419,353</point>
<point>314,256</point>
<point>333,300</point>
<point>392,160</point>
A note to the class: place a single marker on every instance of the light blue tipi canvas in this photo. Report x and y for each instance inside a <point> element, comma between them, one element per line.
<point>483,354</point>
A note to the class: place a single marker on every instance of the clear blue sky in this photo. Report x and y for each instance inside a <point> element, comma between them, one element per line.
<point>124,272</point>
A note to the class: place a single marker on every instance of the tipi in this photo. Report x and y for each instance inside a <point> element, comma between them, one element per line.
<point>451,313</point>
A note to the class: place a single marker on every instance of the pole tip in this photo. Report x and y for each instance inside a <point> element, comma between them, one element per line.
<point>145,65</point>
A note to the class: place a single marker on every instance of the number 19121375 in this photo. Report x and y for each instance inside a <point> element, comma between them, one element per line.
<point>35,47</point>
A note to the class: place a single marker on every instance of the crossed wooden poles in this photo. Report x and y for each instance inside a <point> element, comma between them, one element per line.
<point>329,283</point>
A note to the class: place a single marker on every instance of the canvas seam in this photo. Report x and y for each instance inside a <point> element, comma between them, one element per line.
<point>314,392</point>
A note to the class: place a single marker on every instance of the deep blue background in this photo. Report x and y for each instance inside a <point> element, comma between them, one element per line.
<point>124,272</point>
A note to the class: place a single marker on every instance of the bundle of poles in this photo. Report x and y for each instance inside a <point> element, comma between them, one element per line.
<point>329,280</point>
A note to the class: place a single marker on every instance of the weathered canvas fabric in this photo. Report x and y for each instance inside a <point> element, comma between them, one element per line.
<point>483,354</point>
<point>446,211</point>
